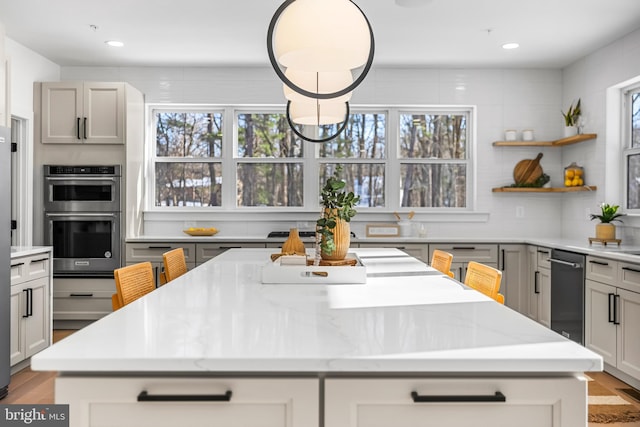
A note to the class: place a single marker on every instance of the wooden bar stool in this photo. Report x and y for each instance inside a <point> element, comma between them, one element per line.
<point>441,261</point>
<point>132,282</point>
<point>175,264</point>
<point>484,279</point>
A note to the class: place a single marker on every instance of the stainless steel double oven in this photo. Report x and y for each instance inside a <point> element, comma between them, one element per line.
<point>82,211</point>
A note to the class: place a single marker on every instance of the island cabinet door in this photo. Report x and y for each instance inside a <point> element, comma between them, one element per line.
<point>170,402</point>
<point>522,402</point>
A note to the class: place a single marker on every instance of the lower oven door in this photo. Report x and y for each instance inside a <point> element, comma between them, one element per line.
<point>85,244</point>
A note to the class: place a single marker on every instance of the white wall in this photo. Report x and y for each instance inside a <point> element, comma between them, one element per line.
<point>589,79</point>
<point>505,99</point>
<point>25,68</point>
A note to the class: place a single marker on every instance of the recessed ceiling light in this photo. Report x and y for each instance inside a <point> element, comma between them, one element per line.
<point>114,43</point>
<point>510,46</point>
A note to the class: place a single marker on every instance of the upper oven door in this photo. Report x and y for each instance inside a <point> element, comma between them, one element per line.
<point>86,194</point>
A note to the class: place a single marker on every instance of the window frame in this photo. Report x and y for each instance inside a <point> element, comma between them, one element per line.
<point>311,161</point>
<point>627,149</point>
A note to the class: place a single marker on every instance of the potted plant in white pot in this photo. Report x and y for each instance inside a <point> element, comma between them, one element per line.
<point>571,118</point>
<point>606,230</point>
<point>333,232</point>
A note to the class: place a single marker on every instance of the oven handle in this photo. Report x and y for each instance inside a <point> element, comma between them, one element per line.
<point>92,215</point>
<point>570,264</point>
<point>76,179</point>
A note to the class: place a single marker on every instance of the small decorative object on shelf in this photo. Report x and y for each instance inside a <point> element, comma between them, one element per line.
<point>527,135</point>
<point>333,234</point>
<point>573,175</point>
<point>571,119</point>
<point>510,135</point>
<point>199,231</point>
<point>606,230</point>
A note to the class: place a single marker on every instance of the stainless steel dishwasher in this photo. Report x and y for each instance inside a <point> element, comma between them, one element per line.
<point>567,294</point>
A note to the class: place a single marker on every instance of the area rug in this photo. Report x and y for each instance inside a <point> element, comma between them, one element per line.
<point>606,407</point>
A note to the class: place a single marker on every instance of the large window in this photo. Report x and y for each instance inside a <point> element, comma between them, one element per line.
<point>187,160</point>
<point>270,168</point>
<point>632,148</point>
<point>434,159</point>
<point>244,159</point>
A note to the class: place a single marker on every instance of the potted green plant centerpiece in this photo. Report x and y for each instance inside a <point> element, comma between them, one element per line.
<point>609,213</point>
<point>571,118</point>
<point>333,233</point>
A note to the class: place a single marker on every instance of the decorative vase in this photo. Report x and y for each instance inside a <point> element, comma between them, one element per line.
<point>570,131</point>
<point>293,244</point>
<point>341,239</point>
<point>605,231</point>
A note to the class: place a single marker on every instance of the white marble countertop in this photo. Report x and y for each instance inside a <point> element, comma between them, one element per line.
<point>20,251</point>
<point>220,318</point>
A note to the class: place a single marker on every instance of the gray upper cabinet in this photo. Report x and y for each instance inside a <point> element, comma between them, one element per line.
<point>83,112</point>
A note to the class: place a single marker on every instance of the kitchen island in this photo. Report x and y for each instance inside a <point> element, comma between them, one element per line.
<point>409,344</point>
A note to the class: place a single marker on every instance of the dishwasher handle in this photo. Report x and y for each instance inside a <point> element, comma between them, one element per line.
<point>570,264</point>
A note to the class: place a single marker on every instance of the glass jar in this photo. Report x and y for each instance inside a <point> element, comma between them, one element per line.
<point>573,175</point>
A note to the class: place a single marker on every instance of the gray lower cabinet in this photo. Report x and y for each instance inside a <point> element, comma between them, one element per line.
<point>30,307</point>
<point>464,252</point>
<point>152,252</point>
<point>514,264</point>
<point>612,309</point>
<point>80,301</point>
<point>536,298</point>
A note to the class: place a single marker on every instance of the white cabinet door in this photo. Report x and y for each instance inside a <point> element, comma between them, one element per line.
<point>104,115</point>
<point>116,402</point>
<point>536,301</point>
<point>390,402</point>
<point>77,112</point>
<point>16,345</point>
<point>62,112</point>
<point>628,359</point>
<point>600,330</point>
<point>38,329</point>
<point>30,321</point>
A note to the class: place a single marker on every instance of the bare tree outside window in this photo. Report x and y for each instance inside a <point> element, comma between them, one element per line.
<point>188,168</point>
<point>364,139</point>
<point>278,179</point>
<point>433,160</point>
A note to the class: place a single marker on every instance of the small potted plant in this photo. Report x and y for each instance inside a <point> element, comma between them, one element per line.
<point>571,118</point>
<point>609,213</point>
<point>333,233</point>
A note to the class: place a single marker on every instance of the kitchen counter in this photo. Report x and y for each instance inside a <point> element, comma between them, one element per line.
<point>220,318</point>
<point>318,355</point>
<point>20,251</point>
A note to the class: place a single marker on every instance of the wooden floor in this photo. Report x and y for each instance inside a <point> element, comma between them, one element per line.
<point>29,387</point>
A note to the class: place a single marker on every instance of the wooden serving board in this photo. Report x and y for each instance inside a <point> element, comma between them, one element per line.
<point>527,171</point>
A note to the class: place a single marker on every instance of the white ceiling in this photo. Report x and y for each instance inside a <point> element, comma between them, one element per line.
<point>469,33</point>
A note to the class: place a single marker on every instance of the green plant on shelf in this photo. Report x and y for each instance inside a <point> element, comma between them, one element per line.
<point>538,183</point>
<point>572,115</point>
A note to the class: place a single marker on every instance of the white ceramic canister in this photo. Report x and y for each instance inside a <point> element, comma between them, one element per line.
<point>510,135</point>
<point>527,135</point>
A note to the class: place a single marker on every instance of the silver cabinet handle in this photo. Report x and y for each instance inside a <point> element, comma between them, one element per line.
<point>570,264</point>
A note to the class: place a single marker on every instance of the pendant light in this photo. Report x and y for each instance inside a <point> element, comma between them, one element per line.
<point>314,47</point>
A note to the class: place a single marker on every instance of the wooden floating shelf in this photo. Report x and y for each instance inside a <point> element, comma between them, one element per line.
<point>557,143</point>
<point>544,190</point>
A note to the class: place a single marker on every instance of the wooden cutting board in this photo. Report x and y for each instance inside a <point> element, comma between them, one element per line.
<point>527,171</point>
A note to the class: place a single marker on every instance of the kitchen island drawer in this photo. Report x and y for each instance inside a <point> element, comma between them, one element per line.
<point>141,252</point>
<point>455,402</point>
<point>602,270</point>
<point>158,402</point>
<point>29,267</point>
